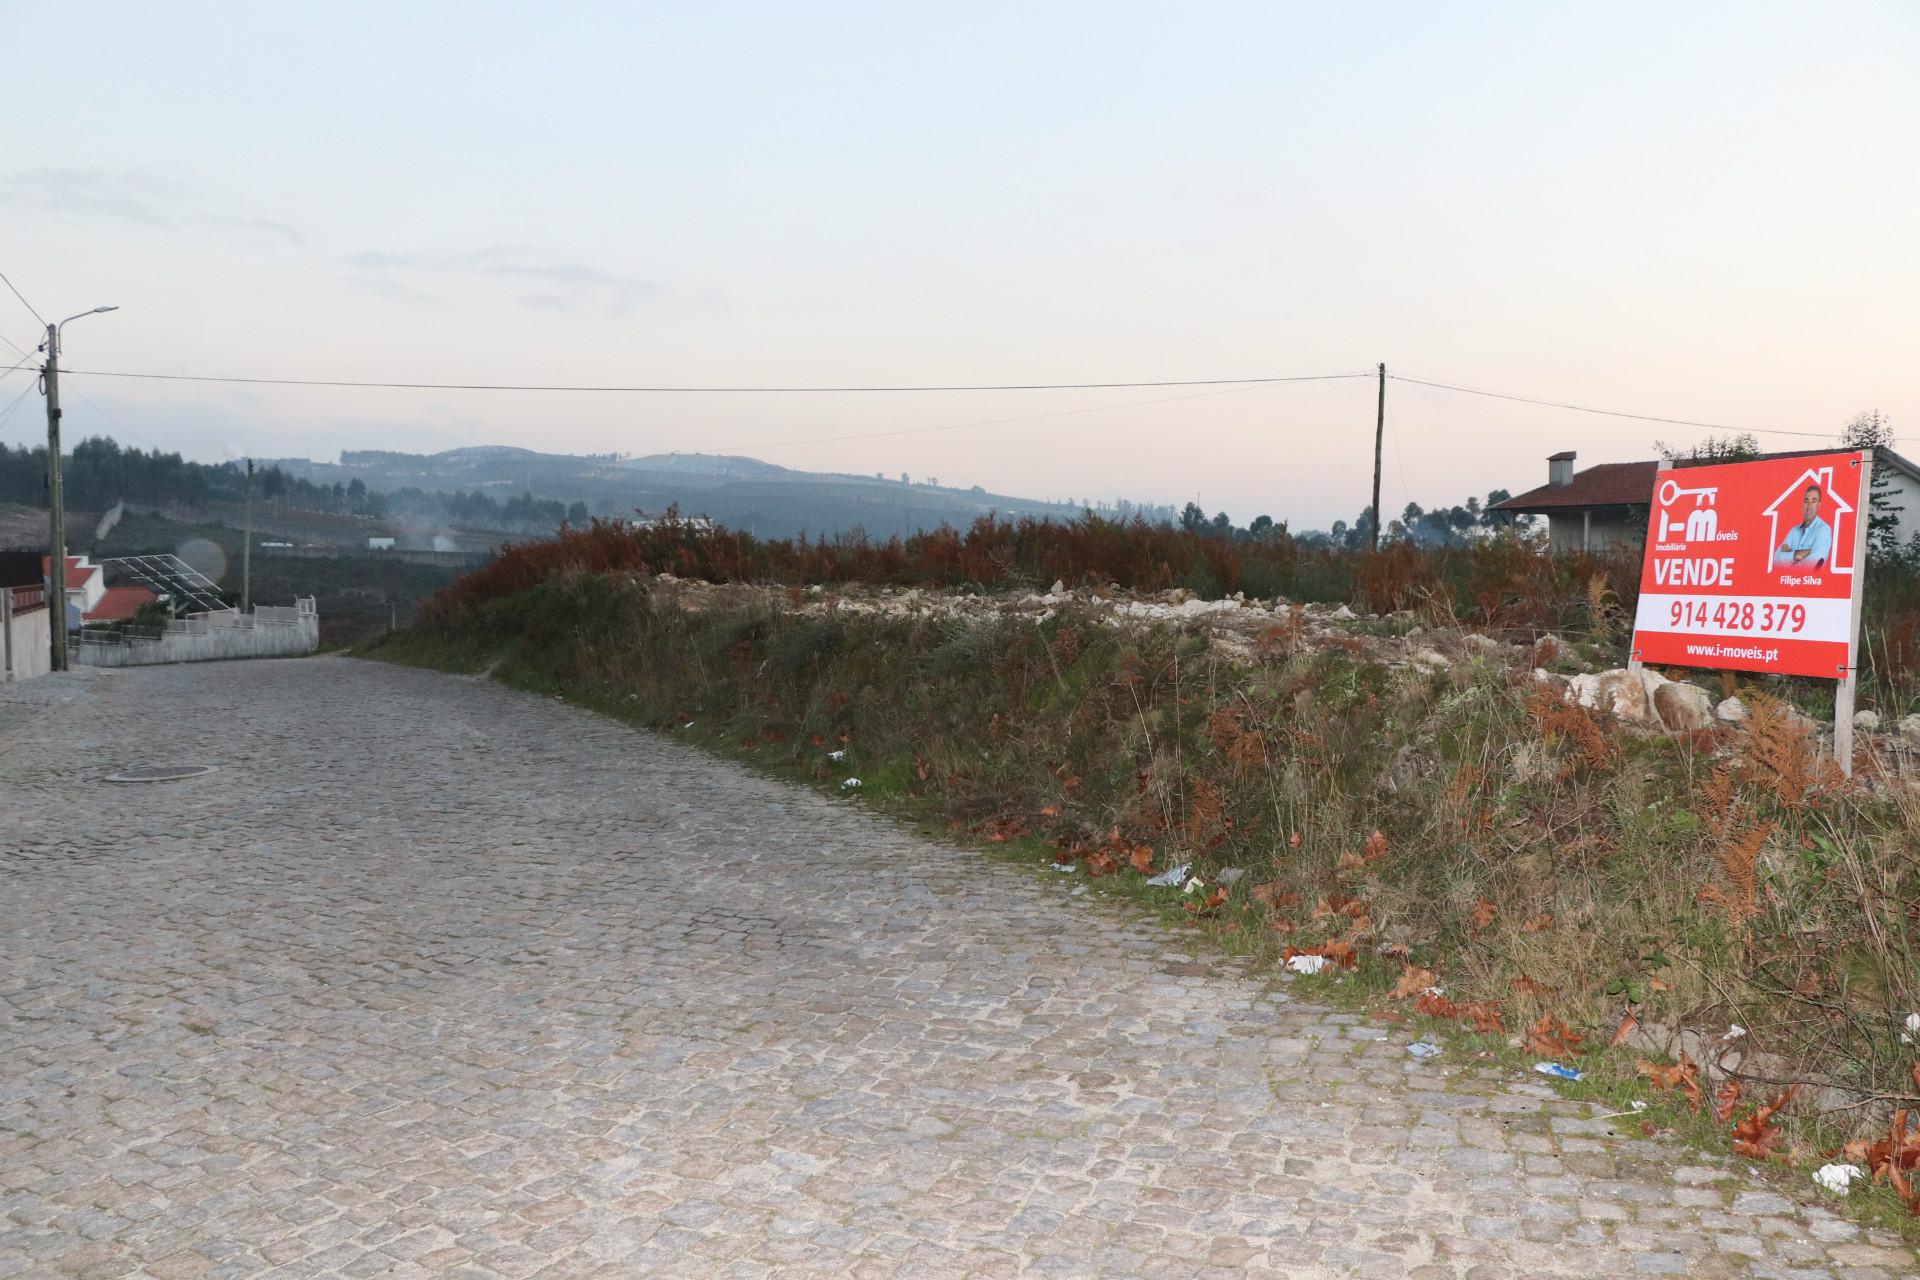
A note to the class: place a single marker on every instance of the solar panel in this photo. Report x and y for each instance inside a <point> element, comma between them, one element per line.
<point>188,588</point>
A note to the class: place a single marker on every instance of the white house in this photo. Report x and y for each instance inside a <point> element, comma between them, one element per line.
<point>85,584</point>
<point>1606,505</point>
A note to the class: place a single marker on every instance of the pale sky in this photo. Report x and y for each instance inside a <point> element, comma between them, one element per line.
<point>1703,211</point>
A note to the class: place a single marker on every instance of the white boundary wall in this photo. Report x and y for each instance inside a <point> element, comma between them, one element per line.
<point>26,639</point>
<point>267,632</point>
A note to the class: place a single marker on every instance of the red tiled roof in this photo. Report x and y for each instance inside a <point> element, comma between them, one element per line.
<point>1611,484</point>
<point>1630,484</point>
<point>120,604</point>
<point>76,576</point>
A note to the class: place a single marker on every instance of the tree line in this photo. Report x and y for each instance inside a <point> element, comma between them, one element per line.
<point>1456,526</point>
<point>100,472</point>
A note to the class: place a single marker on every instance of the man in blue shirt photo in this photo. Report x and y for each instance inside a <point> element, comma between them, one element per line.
<point>1809,543</point>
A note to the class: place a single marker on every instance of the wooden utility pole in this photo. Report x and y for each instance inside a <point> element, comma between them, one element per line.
<point>246,549</point>
<point>56,523</point>
<point>1379,431</point>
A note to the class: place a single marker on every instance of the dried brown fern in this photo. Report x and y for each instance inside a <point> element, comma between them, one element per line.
<point>1720,796</point>
<point>1739,861</point>
<point>1559,720</point>
<point>1780,752</point>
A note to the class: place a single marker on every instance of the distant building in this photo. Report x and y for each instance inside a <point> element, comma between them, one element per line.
<point>85,586</point>
<point>379,544</point>
<point>119,604</point>
<point>1606,506</point>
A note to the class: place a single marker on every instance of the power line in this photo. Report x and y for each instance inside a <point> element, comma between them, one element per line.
<point>23,301</point>
<point>1609,413</point>
<point>115,421</point>
<point>498,386</point>
<point>16,404</point>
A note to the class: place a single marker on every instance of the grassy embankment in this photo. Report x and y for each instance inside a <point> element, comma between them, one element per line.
<point>1551,872</point>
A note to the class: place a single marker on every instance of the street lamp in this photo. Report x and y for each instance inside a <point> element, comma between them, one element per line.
<point>57,557</point>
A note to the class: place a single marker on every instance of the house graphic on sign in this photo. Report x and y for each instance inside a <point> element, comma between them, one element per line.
<point>1841,560</point>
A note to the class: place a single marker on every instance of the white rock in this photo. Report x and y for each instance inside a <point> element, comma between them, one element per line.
<point>1342,614</point>
<point>1683,708</point>
<point>1838,1178</point>
<point>1624,694</point>
<point>1731,711</point>
<point>1910,728</point>
<point>1059,588</point>
<point>1653,681</point>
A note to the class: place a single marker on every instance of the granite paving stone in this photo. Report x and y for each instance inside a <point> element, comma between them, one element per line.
<point>431,978</point>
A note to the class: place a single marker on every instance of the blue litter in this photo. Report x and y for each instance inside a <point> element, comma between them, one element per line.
<point>1558,1071</point>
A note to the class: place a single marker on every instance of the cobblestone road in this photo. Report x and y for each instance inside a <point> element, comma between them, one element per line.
<point>433,978</point>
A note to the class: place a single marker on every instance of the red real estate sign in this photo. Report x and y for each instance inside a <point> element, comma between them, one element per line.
<point>1755,566</point>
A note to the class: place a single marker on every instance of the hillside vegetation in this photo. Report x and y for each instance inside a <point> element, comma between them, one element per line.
<point>1394,790</point>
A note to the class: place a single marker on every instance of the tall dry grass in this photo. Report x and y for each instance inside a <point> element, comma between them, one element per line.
<point>1536,857</point>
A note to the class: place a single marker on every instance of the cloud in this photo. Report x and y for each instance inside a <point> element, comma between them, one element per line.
<point>135,197</point>
<point>563,285</point>
<point>374,260</point>
<point>394,290</point>
<point>263,231</point>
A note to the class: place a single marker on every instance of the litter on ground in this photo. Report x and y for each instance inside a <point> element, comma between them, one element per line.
<point>1559,1071</point>
<point>850,784</point>
<point>1424,1049</point>
<point>1169,878</point>
<point>1306,964</point>
<point>1838,1178</point>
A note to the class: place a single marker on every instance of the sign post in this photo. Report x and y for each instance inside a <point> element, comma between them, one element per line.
<point>1759,566</point>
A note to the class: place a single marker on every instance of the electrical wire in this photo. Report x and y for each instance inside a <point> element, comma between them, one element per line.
<point>497,386</point>
<point>118,425</point>
<point>23,300</point>
<point>1609,413</point>
<point>16,404</point>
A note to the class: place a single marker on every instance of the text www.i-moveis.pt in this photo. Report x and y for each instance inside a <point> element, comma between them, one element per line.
<point>1749,653</point>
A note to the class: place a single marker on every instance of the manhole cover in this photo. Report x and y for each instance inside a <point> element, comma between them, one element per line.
<point>160,773</point>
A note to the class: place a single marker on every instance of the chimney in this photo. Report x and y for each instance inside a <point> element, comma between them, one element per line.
<point>1560,469</point>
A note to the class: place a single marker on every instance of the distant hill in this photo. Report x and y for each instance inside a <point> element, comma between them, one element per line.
<point>743,493</point>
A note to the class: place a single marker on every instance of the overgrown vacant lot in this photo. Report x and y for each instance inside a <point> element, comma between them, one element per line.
<point>1715,916</point>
